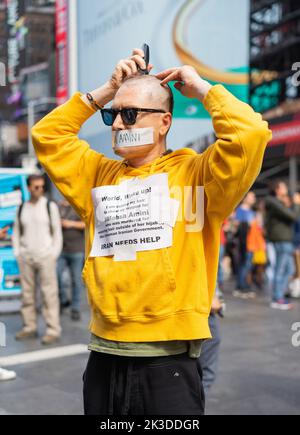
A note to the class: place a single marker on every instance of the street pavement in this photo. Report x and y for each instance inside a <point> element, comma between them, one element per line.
<point>259,370</point>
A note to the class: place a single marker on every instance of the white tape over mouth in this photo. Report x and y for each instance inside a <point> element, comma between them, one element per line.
<point>134,137</point>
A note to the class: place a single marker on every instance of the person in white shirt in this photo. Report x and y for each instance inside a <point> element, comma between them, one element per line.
<point>37,242</point>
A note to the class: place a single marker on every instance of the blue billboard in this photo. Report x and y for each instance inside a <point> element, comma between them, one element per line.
<point>13,190</point>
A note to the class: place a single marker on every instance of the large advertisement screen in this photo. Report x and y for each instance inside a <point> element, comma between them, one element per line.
<point>13,191</point>
<point>211,35</point>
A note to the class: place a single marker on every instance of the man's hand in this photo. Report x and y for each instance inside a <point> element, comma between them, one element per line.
<point>69,224</point>
<point>3,233</point>
<point>66,224</point>
<point>127,68</point>
<point>216,305</point>
<point>188,81</point>
<point>296,198</point>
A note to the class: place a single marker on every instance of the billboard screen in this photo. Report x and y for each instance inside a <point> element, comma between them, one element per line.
<point>208,34</point>
<point>13,190</point>
<point>61,20</point>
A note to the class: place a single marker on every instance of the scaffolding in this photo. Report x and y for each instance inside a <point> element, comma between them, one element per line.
<point>274,52</point>
<point>274,82</point>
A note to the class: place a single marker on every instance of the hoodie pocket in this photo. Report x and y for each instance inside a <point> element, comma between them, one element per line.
<point>140,289</point>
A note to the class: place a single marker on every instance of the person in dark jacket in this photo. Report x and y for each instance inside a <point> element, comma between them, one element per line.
<point>72,258</point>
<point>281,215</point>
<point>244,217</point>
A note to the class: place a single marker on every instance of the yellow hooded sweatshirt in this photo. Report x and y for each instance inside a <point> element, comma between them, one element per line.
<point>165,294</point>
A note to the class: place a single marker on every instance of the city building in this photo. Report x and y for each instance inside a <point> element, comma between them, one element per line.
<point>28,51</point>
<point>274,88</point>
<point>275,84</point>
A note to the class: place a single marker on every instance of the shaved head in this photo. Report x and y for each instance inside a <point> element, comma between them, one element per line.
<point>150,87</point>
<point>144,92</point>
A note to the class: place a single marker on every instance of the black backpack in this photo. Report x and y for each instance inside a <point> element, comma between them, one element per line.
<point>20,222</point>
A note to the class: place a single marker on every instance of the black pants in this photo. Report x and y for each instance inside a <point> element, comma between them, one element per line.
<point>117,385</point>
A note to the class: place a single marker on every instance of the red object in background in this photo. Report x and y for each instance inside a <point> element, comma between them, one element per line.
<point>286,136</point>
<point>223,235</point>
<point>62,72</point>
<point>286,132</point>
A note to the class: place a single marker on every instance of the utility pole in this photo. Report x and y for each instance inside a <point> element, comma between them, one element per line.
<point>293,163</point>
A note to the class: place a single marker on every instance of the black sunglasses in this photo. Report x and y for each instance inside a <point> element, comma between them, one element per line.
<point>128,115</point>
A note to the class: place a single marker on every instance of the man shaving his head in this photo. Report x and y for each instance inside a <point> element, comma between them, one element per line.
<point>130,90</point>
<point>150,281</point>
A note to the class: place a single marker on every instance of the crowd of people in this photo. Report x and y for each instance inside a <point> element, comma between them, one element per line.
<point>262,240</point>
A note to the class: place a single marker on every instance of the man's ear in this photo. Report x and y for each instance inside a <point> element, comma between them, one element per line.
<point>166,123</point>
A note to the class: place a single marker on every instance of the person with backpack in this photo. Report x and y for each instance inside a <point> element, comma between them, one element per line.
<point>37,242</point>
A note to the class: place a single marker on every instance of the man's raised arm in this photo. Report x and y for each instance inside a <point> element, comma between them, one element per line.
<point>229,167</point>
<point>71,164</point>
